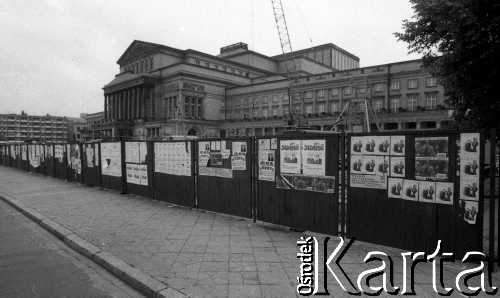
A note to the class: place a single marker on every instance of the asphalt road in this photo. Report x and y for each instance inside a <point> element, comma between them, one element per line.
<point>34,263</point>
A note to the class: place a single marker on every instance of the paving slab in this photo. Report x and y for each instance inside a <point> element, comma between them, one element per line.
<point>201,254</point>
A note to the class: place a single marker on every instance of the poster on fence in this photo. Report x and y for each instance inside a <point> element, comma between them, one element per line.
<point>143,172</point>
<point>24,152</point>
<point>96,154</point>
<point>89,153</point>
<point>238,159</point>
<point>397,166</point>
<point>368,181</point>
<point>410,190</point>
<point>111,164</point>
<point>470,144</point>
<point>132,152</point>
<point>325,184</point>
<point>398,145</point>
<point>444,193</point>
<point>59,152</point>
<point>266,165</point>
<point>470,210</point>
<point>313,157</point>
<point>264,144</point>
<point>203,153</point>
<point>289,156</point>
<point>395,188</point>
<point>427,191</point>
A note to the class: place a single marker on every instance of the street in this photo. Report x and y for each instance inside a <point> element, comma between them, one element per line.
<point>34,263</point>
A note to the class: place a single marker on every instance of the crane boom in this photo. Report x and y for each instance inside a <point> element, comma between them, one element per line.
<point>294,119</point>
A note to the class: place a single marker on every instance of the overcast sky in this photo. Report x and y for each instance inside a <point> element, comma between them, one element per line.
<point>57,55</point>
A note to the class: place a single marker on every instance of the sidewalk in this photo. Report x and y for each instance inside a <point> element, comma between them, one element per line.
<point>198,253</point>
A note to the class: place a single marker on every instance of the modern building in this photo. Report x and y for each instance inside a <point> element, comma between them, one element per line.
<point>162,91</point>
<point>24,127</point>
<point>77,128</point>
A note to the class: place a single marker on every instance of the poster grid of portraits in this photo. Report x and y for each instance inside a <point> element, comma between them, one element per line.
<point>470,148</point>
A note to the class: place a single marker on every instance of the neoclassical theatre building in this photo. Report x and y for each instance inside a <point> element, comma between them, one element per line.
<point>161,91</point>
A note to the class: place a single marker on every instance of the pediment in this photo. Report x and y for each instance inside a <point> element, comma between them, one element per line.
<point>136,49</point>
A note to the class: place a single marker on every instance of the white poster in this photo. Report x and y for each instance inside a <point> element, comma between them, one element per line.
<point>397,166</point>
<point>444,193</point>
<point>111,164</point>
<point>369,164</point>
<point>427,191</point>
<point>96,154</point>
<point>370,144</point>
<point>129,169</point>
<point>59,152</point>
<point>203,153</point>
<point>383,144</point>
<point>24,152</point>
<point>274,143</point>
<point>398,145</point>
<point>289,156</point>
<point>368,181</point>
<point>471,210</point>
<point>313,157</point>
<point>395,188</point>
<point>381,165</point>
<point>238,160</point>
<point>357,145</point>
<point>89,153</point>
<point>266,165</point>
<point>132,152</point>
<point>143,171</point>
<point>410,190</point>
<point>356,164</point>
<point>469,189</point>
<point>143,151</point>
<point>469,144</point>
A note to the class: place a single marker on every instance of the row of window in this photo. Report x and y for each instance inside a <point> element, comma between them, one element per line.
<point>222,68</point>
<point>334,107</point>
<point>379,87</point>
<point>141,66</point>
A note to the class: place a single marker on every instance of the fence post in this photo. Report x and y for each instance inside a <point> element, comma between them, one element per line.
<point>342,184</point>
<point>493,151</point>
<point>124,166</point>
<point>254,177</point>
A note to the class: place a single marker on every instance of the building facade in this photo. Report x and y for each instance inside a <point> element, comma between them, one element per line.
<point>24,127</point>
<point>161,91</point>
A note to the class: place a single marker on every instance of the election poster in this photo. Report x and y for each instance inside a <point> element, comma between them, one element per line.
<point>238,159</point>
<point>470,144</point>
<point>398,145</point>
<point>24,152</point>
<point>395,187</point>
<point>313,157</point>
<point>436,169</point>
<point>132,152</point>
<point>381,165</point>
<point>203,154</point>
<point>143,172</point>
<point>266,165</point>
<point>111,164</point>
<point>356,164</point>
<point>397,166</point>
<point>427,191</point>
<point>469,189</point>
<point>431,147</point>
<point>324,184</point>
<point>382,145</point>
<point>471,210</point>
<point>444,193</point>
<point>274,143</point>
<point>129,169</point>
<point>368,181</point>
<point>59,152</point>
<point>356,145</point>
<point>369,164</point>
<point>370,143</point>
<point>410,190</point>
<point>289,156</point>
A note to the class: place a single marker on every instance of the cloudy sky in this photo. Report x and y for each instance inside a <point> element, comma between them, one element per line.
<point>56,55</point>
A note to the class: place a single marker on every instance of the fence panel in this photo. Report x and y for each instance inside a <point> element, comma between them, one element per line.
<point>112,165</point>
<point>12,156</point>
<point>49,161</point>
<point>224,181</point>
<point>298,178</point>
<point>174,169</point>
<point>91,168</point>
<point>138,168</point>
<point>60,162</point>
<point>36,157</point>
<point>406,191</point>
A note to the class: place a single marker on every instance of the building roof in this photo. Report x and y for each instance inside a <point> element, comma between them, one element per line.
<point>315,48</point>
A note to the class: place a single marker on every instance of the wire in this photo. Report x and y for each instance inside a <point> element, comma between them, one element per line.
<point>304,23</point>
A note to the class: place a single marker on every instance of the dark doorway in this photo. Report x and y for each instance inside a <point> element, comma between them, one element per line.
<point>192,132</point>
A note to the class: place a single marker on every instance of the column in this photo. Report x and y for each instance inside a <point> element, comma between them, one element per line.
<point>142,102</point>
<point>105,107</point>
<point>120,105</point>
<point>137,108</point>
<point>113,110</point>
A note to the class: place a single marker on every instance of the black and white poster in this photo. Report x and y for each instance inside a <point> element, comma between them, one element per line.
<point>395,187</point>
<point>290,156</point>
<point>398,145</point>
<point>444,193</point>
<point>427,191</point>
<point>397,166</point>
<point>471,211</point>
<point>410,190</point>
<point>357,145</point>
<point>313,157</point>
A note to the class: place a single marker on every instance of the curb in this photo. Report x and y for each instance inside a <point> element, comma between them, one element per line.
<point>143,283</point>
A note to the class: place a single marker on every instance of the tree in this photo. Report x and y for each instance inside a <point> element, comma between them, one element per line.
<point>460,44</point>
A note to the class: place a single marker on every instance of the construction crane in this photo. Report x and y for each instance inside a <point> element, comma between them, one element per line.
<point>295,118</point>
